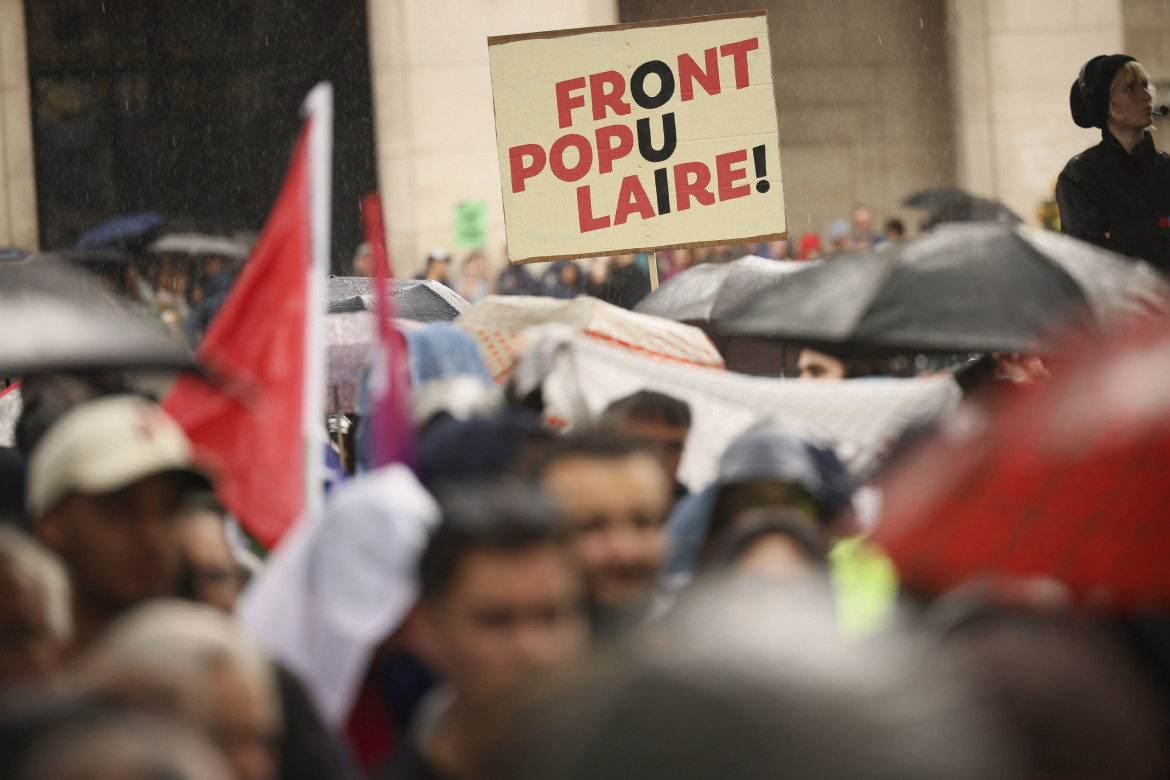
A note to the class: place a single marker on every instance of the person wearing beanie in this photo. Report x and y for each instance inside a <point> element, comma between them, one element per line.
<point>1117,194</point>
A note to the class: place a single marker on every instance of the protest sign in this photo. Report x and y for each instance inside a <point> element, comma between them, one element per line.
<point>471,224</point>
<point>637,137</point>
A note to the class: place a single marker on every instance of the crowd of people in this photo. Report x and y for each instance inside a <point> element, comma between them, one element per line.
<point>623,280</point>
<point>522,603</point>
<point>529,605</point>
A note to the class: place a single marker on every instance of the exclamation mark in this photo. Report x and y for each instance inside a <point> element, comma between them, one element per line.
<point>761,169</point>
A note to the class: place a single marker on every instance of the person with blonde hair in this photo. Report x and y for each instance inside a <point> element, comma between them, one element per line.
<point>1117,194</point>
<point>188,662</point>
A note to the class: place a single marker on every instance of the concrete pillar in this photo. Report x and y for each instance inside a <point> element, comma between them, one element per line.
<point>1013,64</point>
<point>433,118</point>
<point>18,199</point>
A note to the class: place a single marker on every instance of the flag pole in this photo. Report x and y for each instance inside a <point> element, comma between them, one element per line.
<point>318,111</point>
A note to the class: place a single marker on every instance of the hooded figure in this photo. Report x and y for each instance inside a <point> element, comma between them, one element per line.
<point>773,465</point>
<point>770,464</point>
<point>1117,194</point>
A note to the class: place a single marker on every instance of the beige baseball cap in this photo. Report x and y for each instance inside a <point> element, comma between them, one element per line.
<point>104,445</point>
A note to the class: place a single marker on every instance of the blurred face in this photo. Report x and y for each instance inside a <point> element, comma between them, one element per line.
<point>668,440</point>
<point>862,220</point>
<point>214,574</point>
<point>121,548</point>
<point>1131,101</point>
<point>599,270</point>
<point>28,650</point>
<point>363,263</point>
<point>776,558</point>
<point>243,724</point>
<point>818,365</point>
<point>570,273</point>
<point>615,509</point>
<point>507,617</point>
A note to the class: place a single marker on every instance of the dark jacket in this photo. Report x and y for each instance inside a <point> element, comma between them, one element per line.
<point>626,286</point>
<point>1104,190</point>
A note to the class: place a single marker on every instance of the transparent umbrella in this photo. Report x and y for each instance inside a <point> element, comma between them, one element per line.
<point>57,318</point>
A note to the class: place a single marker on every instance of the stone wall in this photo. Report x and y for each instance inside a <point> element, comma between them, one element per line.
<point>863,99</point>
<point>18,200</point>
<point>433,117</point>
<point>1146,34</point>
<point>1014,63</point>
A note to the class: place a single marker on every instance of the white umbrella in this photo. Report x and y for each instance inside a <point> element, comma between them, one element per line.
<point>200,244</point>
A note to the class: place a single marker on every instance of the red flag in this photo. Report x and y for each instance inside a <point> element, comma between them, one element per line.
<point>258,336</point>
<point>391,431</point>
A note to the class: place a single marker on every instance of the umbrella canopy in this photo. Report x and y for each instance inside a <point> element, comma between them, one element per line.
<point>702,294</point>
<point>706,291</point>
<point>350,339</point>
<point>54,317</point>
<point>580,376</point>
<point>200,244</point>
<point>1068,482</point>
<point>951,205</point>
<point>119,231</point>
<point>421,300</point>
<point>962,288</point>
<point>497,321</point>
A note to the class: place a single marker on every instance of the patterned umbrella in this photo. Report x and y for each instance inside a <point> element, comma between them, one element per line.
<point>350,339</point>
<point>497,321</point>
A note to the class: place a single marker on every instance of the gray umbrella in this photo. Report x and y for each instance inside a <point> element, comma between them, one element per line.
<point>972,287</point>
<point>705,292</point>
<point>201,245</point>
<point>55,318</point>
<point>420,300</point>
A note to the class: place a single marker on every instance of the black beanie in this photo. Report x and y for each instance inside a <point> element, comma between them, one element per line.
<point>1089,98</point>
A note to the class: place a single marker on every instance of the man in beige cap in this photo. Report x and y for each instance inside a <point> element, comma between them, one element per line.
<point>105,486</point>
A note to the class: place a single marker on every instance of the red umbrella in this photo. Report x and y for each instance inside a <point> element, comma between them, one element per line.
<point>1069,481</point>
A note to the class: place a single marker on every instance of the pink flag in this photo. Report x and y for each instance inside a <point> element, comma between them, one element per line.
<point>391,433</point>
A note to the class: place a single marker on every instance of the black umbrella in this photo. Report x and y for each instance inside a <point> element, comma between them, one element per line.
<point>978,287</point>
<point>951,205</point>
<point>705,292</point>
<point>54,317</point>
<point>416,299</point>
